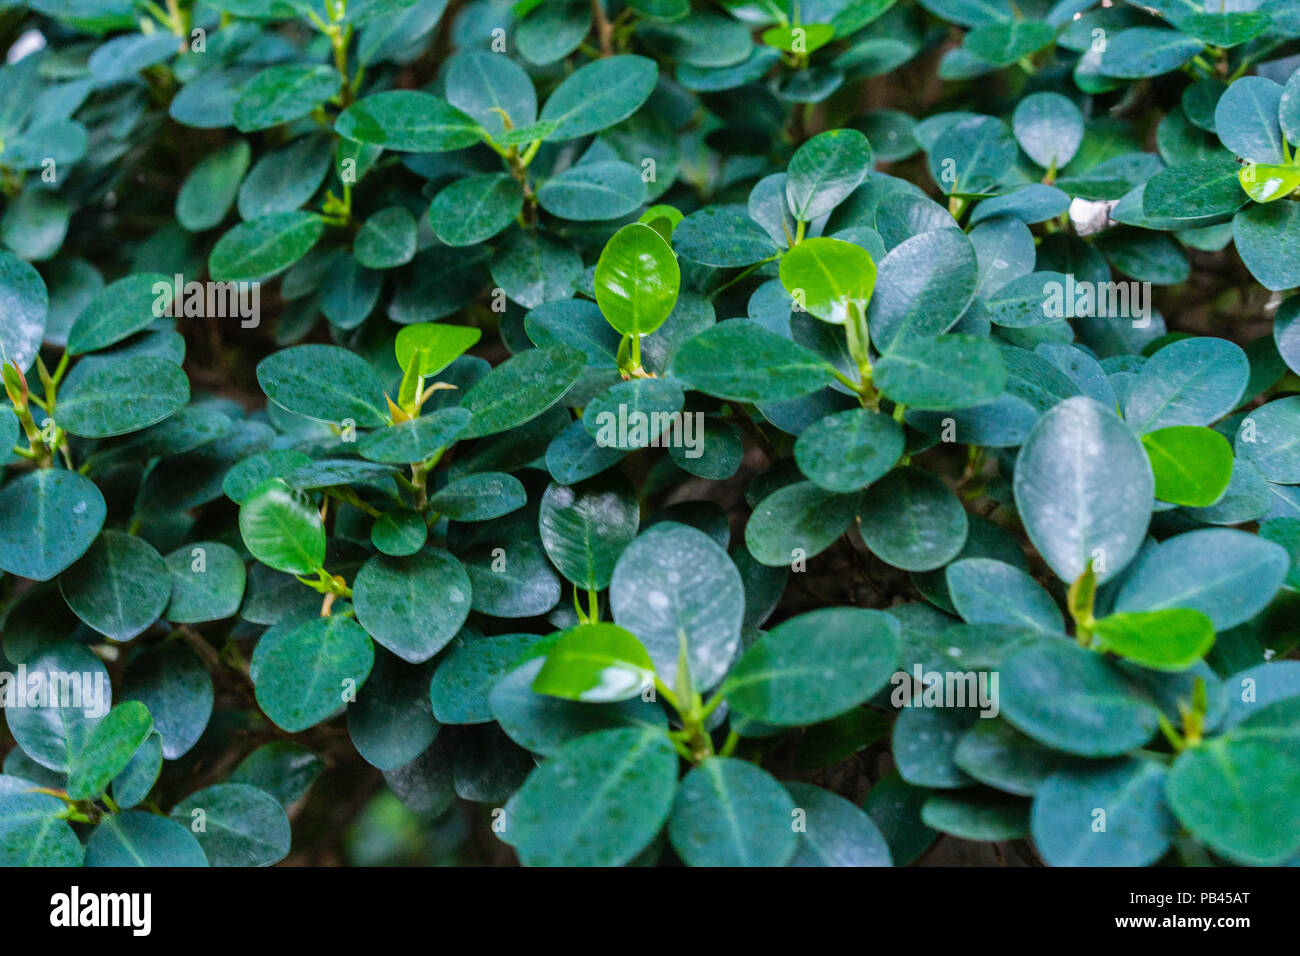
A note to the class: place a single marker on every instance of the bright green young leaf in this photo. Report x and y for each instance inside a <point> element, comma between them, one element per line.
<point>637,280</point>
<point>596,663</point>
<point>1192,465</point>
<point>829,277</point>
<point>1171,640</point>
<point>109,749</point>
<point>438,345</point>
<point>282,528</point>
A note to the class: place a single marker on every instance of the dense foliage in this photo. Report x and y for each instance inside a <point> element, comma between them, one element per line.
<point>635,432</point>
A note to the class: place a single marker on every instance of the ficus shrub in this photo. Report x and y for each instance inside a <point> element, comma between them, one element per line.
<point>645,432</point>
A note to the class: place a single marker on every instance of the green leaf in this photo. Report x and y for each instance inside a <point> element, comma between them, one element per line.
<point>598,95</point>
<point>242,825</point>
<point>390,722</point>
<point>24,305</point>
<point>53,735</point>
<point>722,236</point>
<point>283,93</point>
<point>1223,29</point>
<point>123,56</point>
<point>824,170</point>
<point>284,770</point>
<point>109,749</point>
<point>485,85</point>
<point>586,527</point>
<point>408,121</point>
<point>246,475</point>
<point>544,724</point>
<point>1236,792</point>
<point>438,345</point>
<point>305,670</point>
<point>1004,43</point>
<point>943,372</point>
<point>1289,107</point>
<point>1194,381</point>
<point>1264,182</point>
<point>553,30</point>
<point>598,801</point>
<point>1246,119</point>
<point>534,268</point>
<point>265,247</point>
<point>1195,189</point>
<point>1084,489</point>
<point>1147,51</point>
<point>172,682</point>
<point>464,679</point>
<point>731,813</point>
<point>805,38</point>
<point>133,784</point>
<point>521,388</point>
<point>387,239</point>
<point>1049,128</point>
<point>286,178</point>
<point>513,580</point>
<point>596,663</point>
<point>637,280</point>
<point>923,285</point>
<point>1227,575</point>
<point>786,677</point>
<point>281,527</point>
<point>48,518</point>
<point>673,587</point>
<point>348,293</point>
<point>476,208</point>
<point>912,520</point>
<point>119,587</point>
<point>417,439</point>
<point>639,413</point>
<point>137,838</point>
<point>986,591</point>
<point>480,497</point>
<point>996,754</point>
<point>595,191</point>
<point>414,605</point>
<point>1111,814</point>
<point>324,383</point>
<point>829,277</point>
<point>1192,465</point>
<point>739,360</point>
<point>121,396</point>
<point>399,532</point>
<point>211,186</point>
<point>32,833</point>
<point>977,815</point>
<point>972,155</point>
<point>1169,640</point>
<point>849,450</point>
<point>797,522</point>
<point>835,832</point>
<point>207,582</point>
<point>1074,700</point>
<point>1265,236</point>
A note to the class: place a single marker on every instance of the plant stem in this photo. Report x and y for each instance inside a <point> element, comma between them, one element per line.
<point>604,29</point>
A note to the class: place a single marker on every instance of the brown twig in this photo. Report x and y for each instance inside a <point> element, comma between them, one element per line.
<point>604,29</point>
